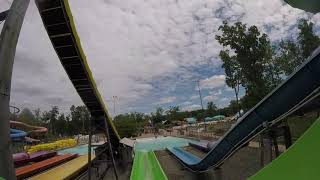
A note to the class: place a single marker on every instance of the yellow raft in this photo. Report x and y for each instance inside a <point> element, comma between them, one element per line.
<point>66,171</point>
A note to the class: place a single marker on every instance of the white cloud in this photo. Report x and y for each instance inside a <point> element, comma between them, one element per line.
<point>227,88</point>
<point>216,92</point>
<point>210,98</point>
<point>225,99</point>
<point>166,100</point>
<point>194,97</point>
<point>186,103</point>
<point>212,82</point>
<point>191,107</point>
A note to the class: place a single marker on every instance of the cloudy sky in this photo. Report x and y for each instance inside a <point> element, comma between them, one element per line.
<point>148,53</point>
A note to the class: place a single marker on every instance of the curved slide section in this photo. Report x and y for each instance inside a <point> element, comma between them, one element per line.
<point>298,89</point>
<point>300,161</point>
<point>58,21</point>
<point>17,135</point>
<point>146,165</point>
<point>32,131</point>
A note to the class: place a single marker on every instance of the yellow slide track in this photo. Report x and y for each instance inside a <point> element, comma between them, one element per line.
<point>58,21</point>
<point>66,171</point>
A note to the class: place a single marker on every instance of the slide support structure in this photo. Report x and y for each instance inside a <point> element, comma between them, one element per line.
<point>8,43</point>
<point>110,149</point>
<point>101,124</point>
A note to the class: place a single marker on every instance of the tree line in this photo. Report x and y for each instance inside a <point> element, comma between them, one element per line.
<point>132,124</point>
<point>70,123</point>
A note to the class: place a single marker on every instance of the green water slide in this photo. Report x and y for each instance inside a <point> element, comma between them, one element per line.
<point>146,166</point>
<point>300,161</point>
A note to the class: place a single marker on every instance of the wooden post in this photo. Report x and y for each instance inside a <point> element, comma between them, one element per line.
<point>261,151</point>
<point>275,144</point>
<point>8,43</point>
<point>287,136</point>
<point>218,173</point>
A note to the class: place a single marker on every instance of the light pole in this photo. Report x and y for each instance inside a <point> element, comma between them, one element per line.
<point>114,104</point>
<point>200,96</point>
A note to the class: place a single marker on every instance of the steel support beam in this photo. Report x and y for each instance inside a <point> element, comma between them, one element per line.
<point>110,149</point>
<point>3,15</point>
<point>8,43</point>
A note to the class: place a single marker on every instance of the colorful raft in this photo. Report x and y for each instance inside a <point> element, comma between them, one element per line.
<point>68,170</point>
<point>24,158</point>
<point>30,170</point>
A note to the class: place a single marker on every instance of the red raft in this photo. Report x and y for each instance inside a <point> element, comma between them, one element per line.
<point>29,170</point>
<point>24,158</point>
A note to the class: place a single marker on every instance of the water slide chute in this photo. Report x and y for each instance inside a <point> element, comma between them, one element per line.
<point>17,135</point>
<point>32,131</point>
<point>307,5</point>
<point>58,21</point>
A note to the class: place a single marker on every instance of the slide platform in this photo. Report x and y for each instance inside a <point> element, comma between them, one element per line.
<point>146,166</point>
<point>281,102</point>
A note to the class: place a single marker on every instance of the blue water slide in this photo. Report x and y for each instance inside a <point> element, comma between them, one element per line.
<point>184,155</point>
<point>200,146</point>
<point>300,88</point>
<point>17,135</point>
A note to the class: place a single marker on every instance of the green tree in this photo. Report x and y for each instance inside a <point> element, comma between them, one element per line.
<point>211,109</point>
<point>37,114</point>
<point>251,50</point>
<point>173,113</point>
<point>232,70</point>
<point>130,124</point>
<point>233,107</point>
<point>158,116</point>
<point>307,38</point>
<point>80,118</point>
<point>26,116</point>
<point>292,53</point>
<point>61,125</point>
<point>53,116</point>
